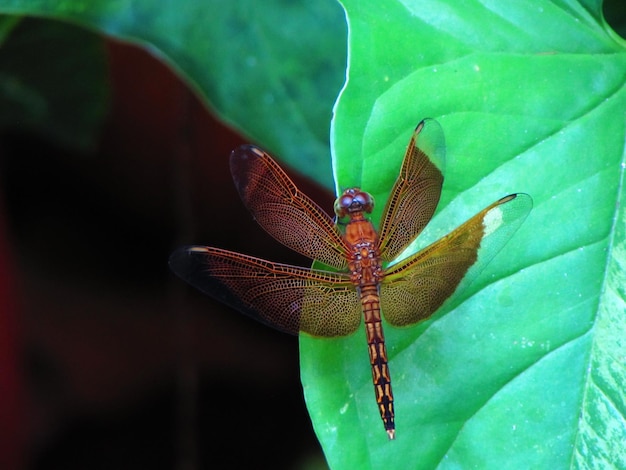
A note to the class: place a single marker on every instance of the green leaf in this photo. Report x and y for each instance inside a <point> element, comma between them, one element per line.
<point>271,69</point>
<point>526,370</point>
<point>7,24</point>
<point>52,81</point>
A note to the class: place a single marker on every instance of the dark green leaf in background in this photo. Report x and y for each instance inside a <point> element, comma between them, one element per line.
<point>7,24</point>
<point>52,81</point>
<point>528,371</point>
<point>271,69</point>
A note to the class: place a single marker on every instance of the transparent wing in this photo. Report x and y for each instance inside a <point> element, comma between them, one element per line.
<point>288,298</point>
<point>415,288</point>
<point>415,194</point>
<point>283,211</point>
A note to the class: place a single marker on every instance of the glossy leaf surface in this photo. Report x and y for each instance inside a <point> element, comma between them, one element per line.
<point>524,369</point>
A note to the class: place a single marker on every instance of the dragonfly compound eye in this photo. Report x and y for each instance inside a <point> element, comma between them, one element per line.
<point>364,201</point>
<point>353,200</point>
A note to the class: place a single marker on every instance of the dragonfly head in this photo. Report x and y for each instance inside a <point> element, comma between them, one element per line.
<point>353,200</point>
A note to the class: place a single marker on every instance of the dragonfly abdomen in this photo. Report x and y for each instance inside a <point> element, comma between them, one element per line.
<point>378,356</point>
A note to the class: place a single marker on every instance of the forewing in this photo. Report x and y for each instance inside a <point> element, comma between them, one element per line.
<point>415,288</point>
<point>282,210</point>
<point>415,194</point>
<point>288,298</point>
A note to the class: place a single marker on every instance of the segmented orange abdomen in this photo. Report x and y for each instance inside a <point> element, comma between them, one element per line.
<point>378,356</point>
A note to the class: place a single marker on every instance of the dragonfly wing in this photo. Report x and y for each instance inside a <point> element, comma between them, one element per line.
<point>416,287</point>
<point>288,298</point>
<point>415,194</point>
<point>283,210</point>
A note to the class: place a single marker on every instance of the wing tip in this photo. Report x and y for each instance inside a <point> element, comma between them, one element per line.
<point>179,259</point>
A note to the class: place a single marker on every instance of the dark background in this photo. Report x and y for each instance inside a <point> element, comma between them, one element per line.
<point>120,364</point>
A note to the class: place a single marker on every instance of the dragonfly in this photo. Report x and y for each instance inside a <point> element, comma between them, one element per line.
<point>362,279</point>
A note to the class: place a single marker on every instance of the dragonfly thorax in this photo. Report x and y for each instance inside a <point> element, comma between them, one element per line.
<point>353,200</point>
